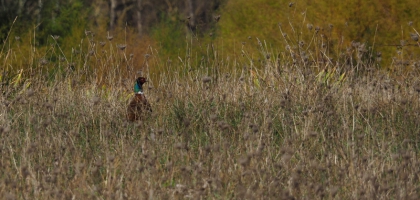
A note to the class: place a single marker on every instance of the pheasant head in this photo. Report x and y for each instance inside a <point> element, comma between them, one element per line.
<point>138,86</point>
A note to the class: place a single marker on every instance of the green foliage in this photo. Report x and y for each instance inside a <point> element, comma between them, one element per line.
<point>243,19</point>
<point>170,35</point>
<point>377,23</point>
<point>34,44</point>
<point>52,18</point>
<point>70,20</point>
<point>37,21</point>
<point>4,28</point>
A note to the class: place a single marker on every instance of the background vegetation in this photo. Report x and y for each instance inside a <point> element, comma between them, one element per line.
<point>384,27</point>
<point>273,110</point>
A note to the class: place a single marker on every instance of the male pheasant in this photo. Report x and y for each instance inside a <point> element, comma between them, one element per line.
<point>139,104</point>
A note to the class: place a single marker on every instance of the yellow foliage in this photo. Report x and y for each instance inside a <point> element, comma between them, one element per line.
<point>17,79</point>
<point>381,24</point>
<point>255,78</point>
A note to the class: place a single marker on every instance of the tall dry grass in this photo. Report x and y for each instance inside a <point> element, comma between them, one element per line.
<point>276,125</point>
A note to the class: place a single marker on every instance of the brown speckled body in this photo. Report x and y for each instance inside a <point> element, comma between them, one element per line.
<point>139,105</point>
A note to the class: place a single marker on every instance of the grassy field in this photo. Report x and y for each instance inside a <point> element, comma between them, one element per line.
<point>293,124</point>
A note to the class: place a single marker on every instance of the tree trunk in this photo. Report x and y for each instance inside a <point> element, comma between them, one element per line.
<point>191,13</point>
<point>112,14</point>
<point>3,6</point>
<point>139,25</point>
<point>21,5</point>
<point>39,13</point>
<point>56,11</point>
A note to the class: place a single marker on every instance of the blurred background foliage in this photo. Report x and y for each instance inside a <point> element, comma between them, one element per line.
<point>173,26</point>
<point>382,23</point>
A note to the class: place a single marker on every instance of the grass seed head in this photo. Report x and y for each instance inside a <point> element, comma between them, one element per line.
<point>414,36</point>
<point>121,46</point>
<point>206,79</point>
<point>43,61</point>
<point>313,134</point>
<point>217,18</point>
<point>30,93</point>
<point>309,26</point>
<point>96,100</point>
<point>244,161</point>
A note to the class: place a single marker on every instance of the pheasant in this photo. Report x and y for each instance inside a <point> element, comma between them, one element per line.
<point>139,104</point>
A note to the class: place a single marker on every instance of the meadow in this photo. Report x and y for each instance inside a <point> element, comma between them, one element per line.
<point>294,120</point>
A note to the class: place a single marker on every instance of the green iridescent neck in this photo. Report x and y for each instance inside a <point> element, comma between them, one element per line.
<point>138,89</point>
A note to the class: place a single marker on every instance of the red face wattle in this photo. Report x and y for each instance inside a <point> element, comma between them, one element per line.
<point>141,80</point>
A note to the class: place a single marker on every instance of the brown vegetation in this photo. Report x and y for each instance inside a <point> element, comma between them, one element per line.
<point>262,122</point>
<point>282,131</point>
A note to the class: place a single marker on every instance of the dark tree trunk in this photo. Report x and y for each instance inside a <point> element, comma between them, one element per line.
<point>112,14</point>
<point>191,16</point>
<point>139,24</point>
<point>39,17</point>
<point>21,5</point>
